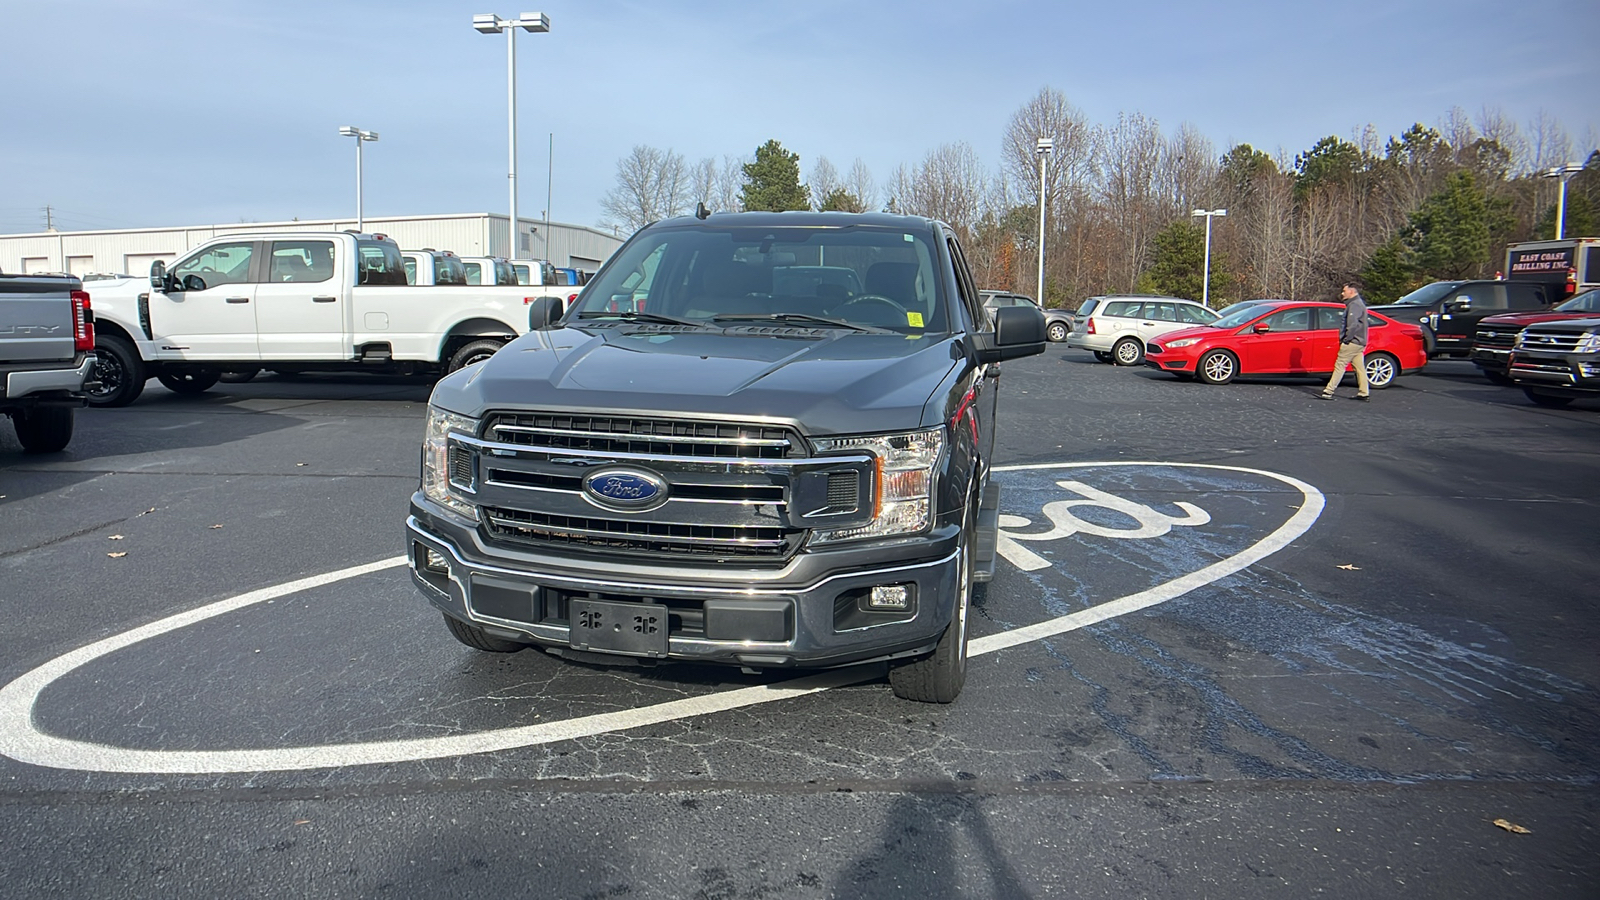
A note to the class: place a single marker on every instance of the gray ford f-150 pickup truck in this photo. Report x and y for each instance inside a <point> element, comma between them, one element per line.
<point>757,439</point>
<point>46,356</point>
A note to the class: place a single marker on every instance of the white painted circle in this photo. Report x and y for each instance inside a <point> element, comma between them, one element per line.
<point>22,741</point>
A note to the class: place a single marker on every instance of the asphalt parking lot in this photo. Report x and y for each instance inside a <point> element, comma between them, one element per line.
<point>1242,643</point>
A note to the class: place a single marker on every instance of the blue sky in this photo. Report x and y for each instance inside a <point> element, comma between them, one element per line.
<point>126,114</point>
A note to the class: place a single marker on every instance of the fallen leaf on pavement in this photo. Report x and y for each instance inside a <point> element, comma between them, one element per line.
<point>118,555</point>
<point>1512,827</point>
<point>302,821</point>
<point>146,512</point>
<point>1350,568</point>
<point>216,526</point>
<point>114,537</point>
<point>299,464</point>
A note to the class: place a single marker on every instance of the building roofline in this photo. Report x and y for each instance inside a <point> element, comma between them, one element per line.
<point>220,229</point>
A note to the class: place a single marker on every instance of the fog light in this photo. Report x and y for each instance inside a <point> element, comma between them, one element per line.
<point>890,596</point>
<point>434,561</point>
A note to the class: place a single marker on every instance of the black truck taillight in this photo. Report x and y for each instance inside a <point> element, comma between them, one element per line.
<point>82,323</point>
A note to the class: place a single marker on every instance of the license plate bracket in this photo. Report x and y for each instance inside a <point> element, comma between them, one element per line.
<point>605,626</point>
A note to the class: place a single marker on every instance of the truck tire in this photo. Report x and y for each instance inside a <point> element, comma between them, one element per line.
<point>474,352</point>
<point>43,429</point>
<point>119,371</point>
<point>189,380</point>
<point>478,639</point>
<point>1548,401</point>
<point>939,676</point>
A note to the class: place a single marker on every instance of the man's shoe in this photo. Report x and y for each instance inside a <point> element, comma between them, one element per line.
<point>1324,396</point>
<point>1363,398</point>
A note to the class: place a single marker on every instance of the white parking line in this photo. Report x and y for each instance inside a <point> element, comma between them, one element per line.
<point>20,739</point>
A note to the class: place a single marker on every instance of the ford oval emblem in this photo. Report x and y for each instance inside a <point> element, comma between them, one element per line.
<point>625,488</point>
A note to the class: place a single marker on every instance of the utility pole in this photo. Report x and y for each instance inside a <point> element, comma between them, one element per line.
<point>49,221</point>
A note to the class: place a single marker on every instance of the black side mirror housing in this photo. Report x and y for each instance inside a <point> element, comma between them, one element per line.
<point>1018,332</point>
<point>543,313</point>
<point>158,276</point>
<point>193,283</point>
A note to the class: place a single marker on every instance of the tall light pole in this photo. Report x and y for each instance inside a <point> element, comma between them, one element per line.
<point>1042,149</point>
<point>1564,173</point>
<point>1205,277</point>
<point>361,138</point>
<point>489,23</point>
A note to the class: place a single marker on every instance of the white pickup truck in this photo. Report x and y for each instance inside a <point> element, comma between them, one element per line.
<point>290,302</point>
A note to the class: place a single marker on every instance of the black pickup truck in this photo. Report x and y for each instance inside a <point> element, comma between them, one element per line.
<point>46,356</point>
<point>1449,311</point>
<point>757,439</point>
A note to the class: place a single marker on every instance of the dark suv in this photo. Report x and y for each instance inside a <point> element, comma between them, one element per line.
<point>1557,362</point>
<point>755,439</point>
<point>1449,311</point>
<point>1491,349</point>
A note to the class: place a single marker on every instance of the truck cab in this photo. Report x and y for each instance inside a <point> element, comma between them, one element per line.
<point>428,266</point>
<point>489,270</point>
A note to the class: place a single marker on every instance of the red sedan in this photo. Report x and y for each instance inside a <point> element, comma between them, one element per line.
<point>1285,338</point>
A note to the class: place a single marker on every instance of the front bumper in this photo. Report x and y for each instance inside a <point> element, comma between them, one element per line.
<point>1575,373</point>
<point>809,614</point>
<point>1491,359</point>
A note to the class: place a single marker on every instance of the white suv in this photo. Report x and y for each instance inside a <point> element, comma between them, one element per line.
<point>1117,328</point>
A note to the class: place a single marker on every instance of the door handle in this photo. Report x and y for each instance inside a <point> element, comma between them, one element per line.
<point>324,299</point>
<point>238,299</point>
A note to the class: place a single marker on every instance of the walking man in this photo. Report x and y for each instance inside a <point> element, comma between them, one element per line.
<point>1352,341</point>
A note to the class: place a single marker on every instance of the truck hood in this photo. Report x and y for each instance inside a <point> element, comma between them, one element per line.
<point>1525,319</point>
<point>1403,312</point>
<point>834,382</point>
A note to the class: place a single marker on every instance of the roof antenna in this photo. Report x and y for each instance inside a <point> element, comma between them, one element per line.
<point>700,211</point>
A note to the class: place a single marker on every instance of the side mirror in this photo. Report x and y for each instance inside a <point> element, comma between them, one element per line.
<point>193,283</point>
<point>543,313</point>
<point>1461,303</point>
<point>1262,328</point>
<point>158,276</point>
<point>1018,332</point>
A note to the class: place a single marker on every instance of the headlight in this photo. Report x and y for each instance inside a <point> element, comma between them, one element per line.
<point>437,471</point>
<point>903,477</point>
<point>1589,344</point>
<point>1185,342</point>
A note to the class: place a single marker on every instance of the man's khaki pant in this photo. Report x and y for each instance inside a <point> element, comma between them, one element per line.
<point>1350,353</point>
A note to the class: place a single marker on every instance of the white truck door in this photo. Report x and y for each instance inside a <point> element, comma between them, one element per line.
<point>300,307</point>
<point>211,315</point>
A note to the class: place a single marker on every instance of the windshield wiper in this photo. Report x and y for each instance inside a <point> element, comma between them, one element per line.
<point>798,317</point>
<point>657,318</point>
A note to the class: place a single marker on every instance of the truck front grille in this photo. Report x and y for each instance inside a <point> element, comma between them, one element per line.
<point>715,541</point>
<point>1499,337</point>
<point>628,434</point>
<point>1552,341</point>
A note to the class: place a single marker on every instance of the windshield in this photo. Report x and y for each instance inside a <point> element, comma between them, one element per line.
<point>1240,313</point>
<point>1426,294</point>
<point>1588,301</point>
<point>857,276</point>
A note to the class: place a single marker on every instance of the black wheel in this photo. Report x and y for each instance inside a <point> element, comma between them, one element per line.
<point>189,380</point>
<point>118,371</point>
<point>1128,352</point>
<point>1102,355</point>
<point>1217,367</point>
<point>1382,370</point>
<point>474,352</point>
<point>43,429</point>
<point>939,676</point>
<point>1496,377</point>
<point>237,376</point>
<point>1056,332</point>
<point>478,639</point>
<point>1548,401</point>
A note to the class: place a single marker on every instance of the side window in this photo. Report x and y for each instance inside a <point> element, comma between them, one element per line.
<point>221,264</point>
<point>1330,319</point>
<point>969,297</point>
<point>1086,308</point>
<point>1192,315</point>
<point>1161,312</point>
<point>474,272</point>
<point>379,262</point>
<point>1124,308</point>
<point>503,273</point>
<point>1489,296</point>
<point>1523,296</point>
<point>1289,320</point>
<point>411,271</point>
<point>1591,265</point>
<point>301,262</point>
<point>448,270</point>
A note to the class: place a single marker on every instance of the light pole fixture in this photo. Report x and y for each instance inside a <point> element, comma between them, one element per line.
<point>1205,277</point>
<point>1042,148</point>
<point>361,138</point>
<point>1564,173</point>
<point>489,23</point>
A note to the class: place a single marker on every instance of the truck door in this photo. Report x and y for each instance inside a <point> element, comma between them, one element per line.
<point>211,314</point>
<point>1460,312</point>
<point>983,386</point>
<point>300,307</point>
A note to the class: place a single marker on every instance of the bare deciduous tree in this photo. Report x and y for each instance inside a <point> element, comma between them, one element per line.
<point>859,182</point>
<point>1130,162</point>
<point>823,181</point>
<point>651,184</point>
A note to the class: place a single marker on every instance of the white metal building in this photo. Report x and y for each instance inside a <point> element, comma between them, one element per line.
<point>132,250</point>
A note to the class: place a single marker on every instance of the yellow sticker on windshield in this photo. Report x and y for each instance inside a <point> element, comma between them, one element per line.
<point>914,319</point>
